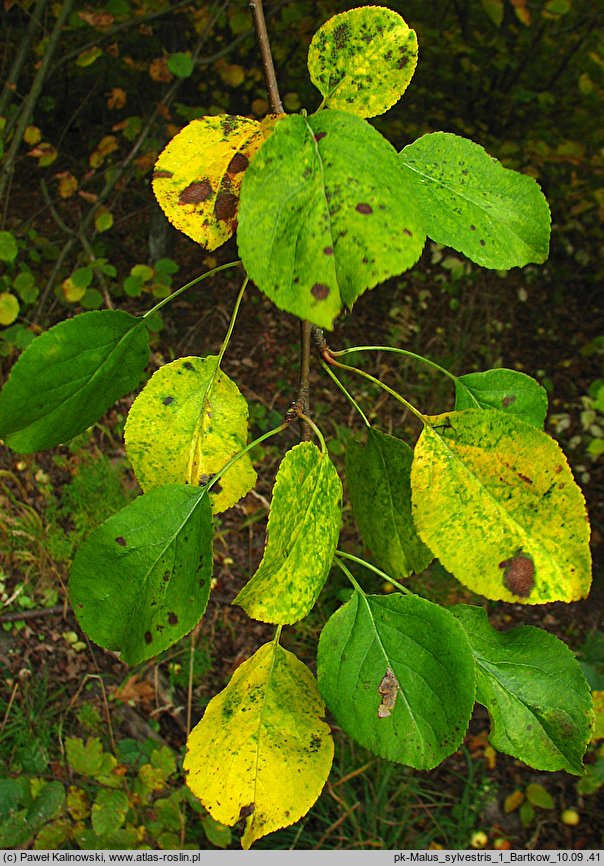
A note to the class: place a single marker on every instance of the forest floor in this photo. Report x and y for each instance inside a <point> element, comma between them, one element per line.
<point>465,320</point>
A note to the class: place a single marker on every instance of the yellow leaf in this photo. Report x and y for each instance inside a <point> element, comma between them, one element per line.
<point>198,176</point>
<point>231,73</point>
<point>9,308</point>
<point>87,58</point>
<point>262,750</point>
<point>158,70</point>
<point>117,98</point>
<point>598,729</point>
<point>513,801</point>
<point>32,135</point>
<point>495,500</point>
<point>68,184</point>
<point>71,292</point>
<point>185,425</point>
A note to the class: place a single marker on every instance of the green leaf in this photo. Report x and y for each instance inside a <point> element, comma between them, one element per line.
<point>495,10</point>
<point>181,64</point>
<point>397,673</point>
<point>91,760</point>
<point>468,201</point>
<point>67,377</point>
<point>538,796</point>
<point>362,60</point>
<point>378,476</point>
<point>8,247</point>
<point>47,805</point>
<point>141,580</point>
<point>198,175</point>
<point>495,500</point>
<point>185,425</point>
<point>317,203</point>
<point>109,811</point>
<point>262,750</point>
<point>538,700</point>
<point>25,286</point>
<point>506,390</point>
<point>217,834</point>
<point>302,534</point>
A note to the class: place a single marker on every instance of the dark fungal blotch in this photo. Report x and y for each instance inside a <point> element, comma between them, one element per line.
<point>320,291</point>
<point>167,400</point>
<point>226,206</point>
<point>160,173</point>
<point>148,637</point>
<point>172,618</point>
<point>328,251</point>
<point>238,163</point>
<point>188,365</point>
<point>196,192</point>
<point>364,208</point>
<point>320,135</point>
<point>507,401</point>
<point>121,541</point>
<point>519,574</point>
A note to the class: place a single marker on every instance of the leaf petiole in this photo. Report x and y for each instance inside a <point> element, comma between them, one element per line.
<point>346,393</point>
<point>243,451</point>
<point>331,360</point>
<point>314,428</point>
<point>375,569</point>
<point>189,285</point>
<point>342,352</point>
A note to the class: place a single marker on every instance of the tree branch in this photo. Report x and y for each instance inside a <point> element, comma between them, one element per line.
<point>276,107</point>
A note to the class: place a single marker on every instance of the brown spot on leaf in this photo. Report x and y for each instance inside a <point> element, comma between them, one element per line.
<point>525,478</point>
<point>363,207</point>
<point>472,228</point>
<point>161,172</point>
<point>148,637</point>
<point>165,576</point>
<point>246,811</point>
<point>408,233</point>
<point>172,618</point>
<point>188,365</point>
<point>121,541</point>
<point>328,251</point>
<point>167,400</point>
<point>388,689</point>
<point>320,135</point>
<point>519,574</point>
<point>482,243</point>
<point>226,206</point>
<point>320,291</point>
<point>196,192</point>
<point>238,163</point>
<point>558,469</point>
<point>507,401</point>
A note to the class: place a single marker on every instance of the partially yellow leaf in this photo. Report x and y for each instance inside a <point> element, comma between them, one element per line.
<point>185,425</point>
<point>495,500</point>
<point>198,176</point>
<point>598,729</point>
<point>262,750</point>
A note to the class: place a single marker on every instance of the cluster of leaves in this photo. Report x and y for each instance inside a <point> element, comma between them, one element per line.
<point>111,803</point>
<point>327,209</point>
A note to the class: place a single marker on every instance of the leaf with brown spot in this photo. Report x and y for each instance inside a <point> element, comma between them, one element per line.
<point>198,175</point>
<point>329,182</point>
<point>120,594</point>
<point>363,60</point>
<point>262,751</point>
<point>501,537</point>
